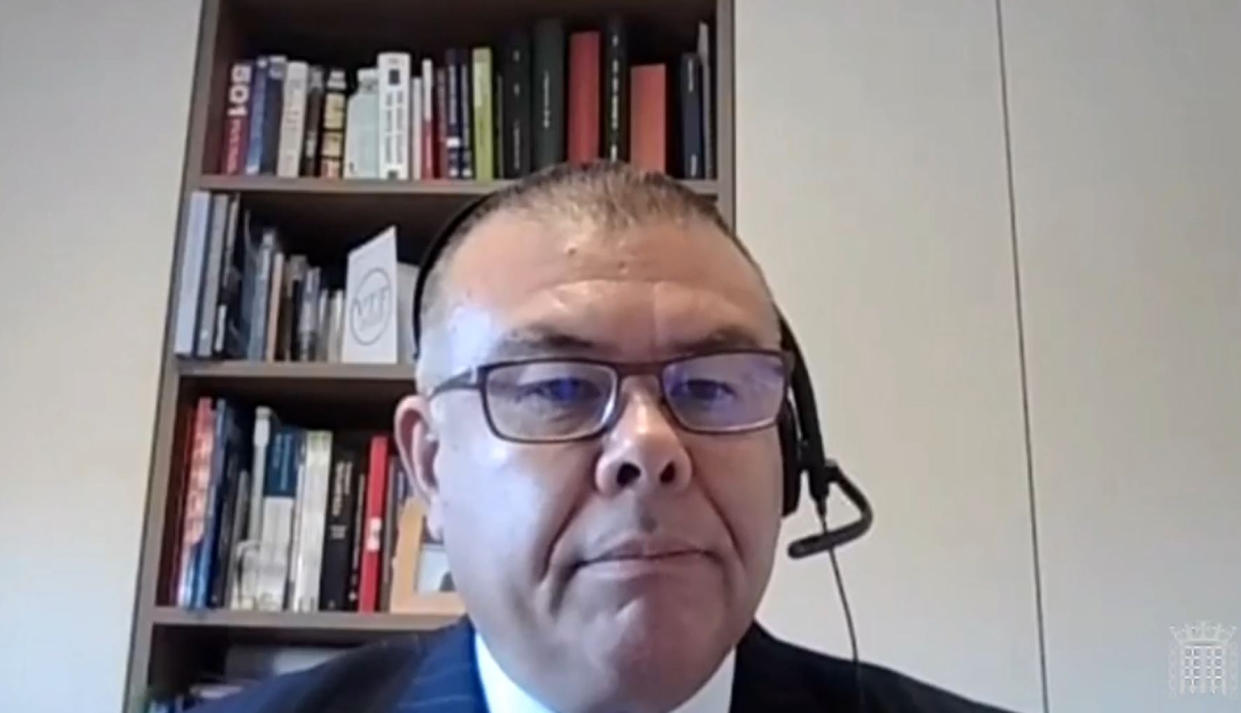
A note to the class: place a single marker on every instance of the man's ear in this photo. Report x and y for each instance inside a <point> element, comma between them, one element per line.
<point>417,443</point>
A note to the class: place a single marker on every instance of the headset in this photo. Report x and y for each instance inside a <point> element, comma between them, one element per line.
<point>801,440</point>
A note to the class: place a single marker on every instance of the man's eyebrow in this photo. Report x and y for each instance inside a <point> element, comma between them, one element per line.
<point>539,340</point>
<point>721,338</point>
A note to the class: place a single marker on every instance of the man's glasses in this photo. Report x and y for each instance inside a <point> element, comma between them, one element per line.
<point>549,400</point>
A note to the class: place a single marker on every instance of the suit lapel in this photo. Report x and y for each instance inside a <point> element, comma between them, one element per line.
<point>447,679</point>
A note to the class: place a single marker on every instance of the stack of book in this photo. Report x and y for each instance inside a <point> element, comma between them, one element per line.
<point>241,297</point>
<point>541,97</point>
<point>275,517</point>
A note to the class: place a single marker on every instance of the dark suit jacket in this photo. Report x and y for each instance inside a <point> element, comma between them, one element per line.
<point>436,674</point>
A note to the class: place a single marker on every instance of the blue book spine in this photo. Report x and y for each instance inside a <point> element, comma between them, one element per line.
<point>256,341</point>
<point>258,100</point>
<point>206,549</point>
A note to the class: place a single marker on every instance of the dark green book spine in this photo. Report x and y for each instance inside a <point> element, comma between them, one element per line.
<point>549,91</point>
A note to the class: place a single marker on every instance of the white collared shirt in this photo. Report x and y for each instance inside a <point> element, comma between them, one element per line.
<point>505,696</point>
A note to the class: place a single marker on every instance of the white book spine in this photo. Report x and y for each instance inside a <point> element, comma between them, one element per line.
<point>362,127</point>
<point>336,322</point>
<point>415,128</point>
<point>294,570</point>
<point>274,551</point>
<point>193,255</point>
<point>262,437</point>
<point>394,69</point>
<point>314,518</point>
<point>428,91</point>
<point>293,120</point>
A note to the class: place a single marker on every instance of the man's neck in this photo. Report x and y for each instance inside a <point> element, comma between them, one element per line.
<point>503,695</point>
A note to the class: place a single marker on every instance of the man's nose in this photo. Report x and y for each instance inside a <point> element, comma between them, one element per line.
<point>643,449</point>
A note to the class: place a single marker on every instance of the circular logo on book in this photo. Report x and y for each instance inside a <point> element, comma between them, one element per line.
<point>371,309</point>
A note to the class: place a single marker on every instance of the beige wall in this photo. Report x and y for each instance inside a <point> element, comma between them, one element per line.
<point>872,184</point>
<point>95,99</point>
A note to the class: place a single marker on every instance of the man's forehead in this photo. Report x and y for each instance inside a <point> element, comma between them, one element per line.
<point>550,282</point>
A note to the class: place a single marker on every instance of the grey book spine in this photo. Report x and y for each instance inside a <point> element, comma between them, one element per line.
<point>211,276</point>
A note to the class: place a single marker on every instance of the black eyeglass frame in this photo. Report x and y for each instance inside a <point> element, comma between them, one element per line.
<point>475,379</point>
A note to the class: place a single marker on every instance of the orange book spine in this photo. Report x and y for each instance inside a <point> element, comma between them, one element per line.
<point>584,96</point>
<point>648,117</point>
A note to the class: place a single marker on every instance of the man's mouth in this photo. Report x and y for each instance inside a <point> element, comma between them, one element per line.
<point>643,554</point>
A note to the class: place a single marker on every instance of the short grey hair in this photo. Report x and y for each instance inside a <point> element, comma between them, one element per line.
<point>608,194</point>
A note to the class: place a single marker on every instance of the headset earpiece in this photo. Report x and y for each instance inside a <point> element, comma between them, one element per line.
<point>790,455</point>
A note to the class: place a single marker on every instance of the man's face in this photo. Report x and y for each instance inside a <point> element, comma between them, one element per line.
<point>546,541</point>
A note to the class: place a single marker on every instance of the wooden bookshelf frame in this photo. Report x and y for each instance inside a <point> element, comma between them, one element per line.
<point>223,38</point>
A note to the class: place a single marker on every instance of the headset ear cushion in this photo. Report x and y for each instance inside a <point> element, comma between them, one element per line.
<point>790,455</point>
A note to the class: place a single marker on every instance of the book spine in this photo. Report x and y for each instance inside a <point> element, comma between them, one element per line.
<point>441,122</point>
<point>549,99</point>
<point>498,92</point>
<point>278,493</point>
<point>517,105</point>
<point>376,489</point>
<point>394,101</point>
<point>198,475</point>
<point>211,276</point>
<point>315,88</point>
<point>273,113</point>
<point>708,106</point>
<point>293,121</point>
<point>362,127</point>
<point>336,320</point>
<point>616,90</point>
<point>484,158</point>
<point>193,255</point>
<point>691,117</point>
<point>237,118</point>
<point>337,539</point>
<point>318,465</point>
<point>232,503</point>
<point>415,128</point>
<point>258,109</point>
<point>169,583</point>
<point>332,141</point>
<point>256,338</point>
<point>307,317</point>
<point>228,292</point>
<point>251,255</point>
<point>357,532</point>
<point>293,570</point>
<point>321,323</point>
<point>427,119</point>
<point>260,440</point>
<point>211,518</point>
<point>585,50</point>
<point>648,140</point>
<point>465,100</point>
<point>392,503</point>
<point>274,298</point>
<point>453,90</point>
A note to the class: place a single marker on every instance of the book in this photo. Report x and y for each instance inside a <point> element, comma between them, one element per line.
<point>466,116</point>
<point>362,127</point>
<point>549,92</point>
<point>258,109</point>
<point>517,104</point>
<point>233,503</point>
<point>358,535</point>
<point>585,99</point>
<point>279,501</point>
<point>415,128</point>
<point>376,489</point>
<point>273,113</point>
<point>708,107</point>
<point>484,158</point>
<point>387,548</point>
<point>394,103</point>
<point>336,325</point>
<point>315,88</point>
<point>293,120</point>
<point>332,140</point>
<point>205,551</point>
<point>692,165</point>
<point>228,339</point>
<point>274,298</point>
<point>246,596</point>
<point>307,563</point>
<point>452,92</point>
<point>264,256</point>
<point>371,329</point>
<point>616,90</point>
<point>338,531</point>
<point>307,317</point>
<point>428,135</point>
<point>207,297</point>
<point>237,118</point>
<point>441,122</point>
<point>198,475</point>
<point>648,139</point>
<point>497,123</point>
<point>189,283</point>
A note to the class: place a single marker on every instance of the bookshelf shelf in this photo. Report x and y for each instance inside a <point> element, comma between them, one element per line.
<point>323,219</point>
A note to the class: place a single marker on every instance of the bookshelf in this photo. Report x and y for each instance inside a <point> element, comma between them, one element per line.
<point>325,218</point>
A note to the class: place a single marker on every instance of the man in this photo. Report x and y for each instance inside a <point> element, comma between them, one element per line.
<point>594,435</point>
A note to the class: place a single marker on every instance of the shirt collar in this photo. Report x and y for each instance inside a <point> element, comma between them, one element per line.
<point>505,696</point>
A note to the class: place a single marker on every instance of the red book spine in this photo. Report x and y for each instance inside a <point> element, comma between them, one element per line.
<point>584,96</point>
<point>237,119</point>
<point>648,117</point>
<point>372,544</point>
<point>195,510</point>
<point>428,125</point>
<point>441,122</point>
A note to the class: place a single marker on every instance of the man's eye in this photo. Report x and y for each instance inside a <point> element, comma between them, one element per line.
<point>567,390</point>
<point>704,391</point>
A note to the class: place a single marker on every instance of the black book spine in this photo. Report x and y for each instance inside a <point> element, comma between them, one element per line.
<point>497,125</point>
<point>615,90</point>
<point>517,105</point>
<point>273,111</point>
<point>357,534</point>
<point>229,487</point>
<point>691,116</point>
<point>338,535</point>
<point>549,91</point>
<point>465,95</point>
<point>453,134</point>
<point>314,121</point>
